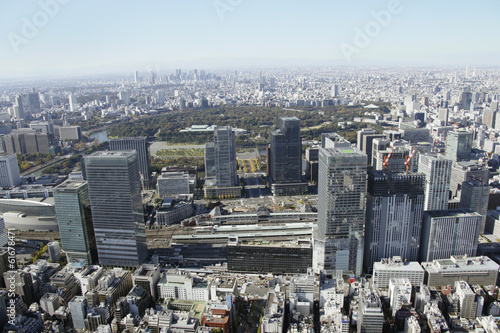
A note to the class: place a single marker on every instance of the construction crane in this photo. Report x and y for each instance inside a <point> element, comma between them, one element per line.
<point>387,158</point>
<point>408,159</point>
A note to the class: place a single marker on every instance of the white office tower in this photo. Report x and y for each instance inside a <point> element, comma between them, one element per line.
<point>371,316</point>
<point>388,269</point>
<point>335,91</point>
<point>399,294</point>
<point>339,238</point>
<point>225,154</point>
<point>447,233</point>
<point>467,299</point>
<point>136,77</point>
<point>73,103</point>
<point>54,251</point>
<point>9,171</point>
<point>437,170</point>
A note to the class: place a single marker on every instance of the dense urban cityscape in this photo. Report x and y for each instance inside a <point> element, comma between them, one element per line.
<point>264,167</point>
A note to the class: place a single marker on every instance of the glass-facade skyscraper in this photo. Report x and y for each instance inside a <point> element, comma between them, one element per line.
<point>139,144</point>
<point>459,145</point>
<point>286,151</point>
<point>339,238</point>
<point>437,171</point>
<point>74,219</point>
<point>394,213</point>
<point>115,197</point>
<point>225,157</point>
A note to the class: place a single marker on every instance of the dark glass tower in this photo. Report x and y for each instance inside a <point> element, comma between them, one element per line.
<point>74,218</point>
<point>286,151</point>
<point>115,198</point>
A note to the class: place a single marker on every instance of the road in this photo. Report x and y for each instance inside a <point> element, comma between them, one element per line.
<point>37,171</point>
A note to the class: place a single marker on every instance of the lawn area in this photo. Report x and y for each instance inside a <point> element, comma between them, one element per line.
<point>199,152</point>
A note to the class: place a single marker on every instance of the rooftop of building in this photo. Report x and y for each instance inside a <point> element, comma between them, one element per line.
<point>396,264</point>
<point>299,243</point>
<point>70,185</point>
<point>461,212</point>
<point>49,201</point>
<point>112,154</point>
<point>343,152</point>
<point>461,263</point>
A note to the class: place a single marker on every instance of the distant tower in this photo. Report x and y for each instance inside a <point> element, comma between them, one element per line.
<point>286,151</point>
<point>73,104</point>
<point>117,213</point>
<point>437,170</point>
<point>74,219</point>
<point>140,145</point>
<point>335,91</point>
<point>152,79</point>
<point>467,72</point>
<point>136,77</point>
<point>338,243</point>
<point>225,154</point>
<point>459,145</point>
<point>19,108</point>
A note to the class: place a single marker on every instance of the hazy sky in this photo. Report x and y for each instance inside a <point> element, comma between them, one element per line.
<point>88,36</point>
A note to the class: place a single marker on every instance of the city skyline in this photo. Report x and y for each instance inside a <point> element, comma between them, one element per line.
<point>72,38</point>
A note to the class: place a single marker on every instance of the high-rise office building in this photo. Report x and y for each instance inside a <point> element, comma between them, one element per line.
<point>459,145</point>
<point>371,315</point>
<point>78,309</point>
<point>31,105</point>
<point>140,145</point>
<point>446,233</point>
<point>115,198</point>
<point>210,170</point>
<point>136,77</point>
<point>73,103</point>
<point>286,151</point>
<point>394,212</point>
<point>463,171</point>
<point>335,91</point>
<point>225,156</point>
<point>74,219</point>
<point>437,171</point>
<point>23,285</point>
<point>4,239</point>
<point>9,171</point>
<point>342,185</point>
<point>19,110</point>
<point>475,195</point>
<point>365,141</point>
<point>54,251</point>
<point>125,97</point>
<point>466,99</point>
